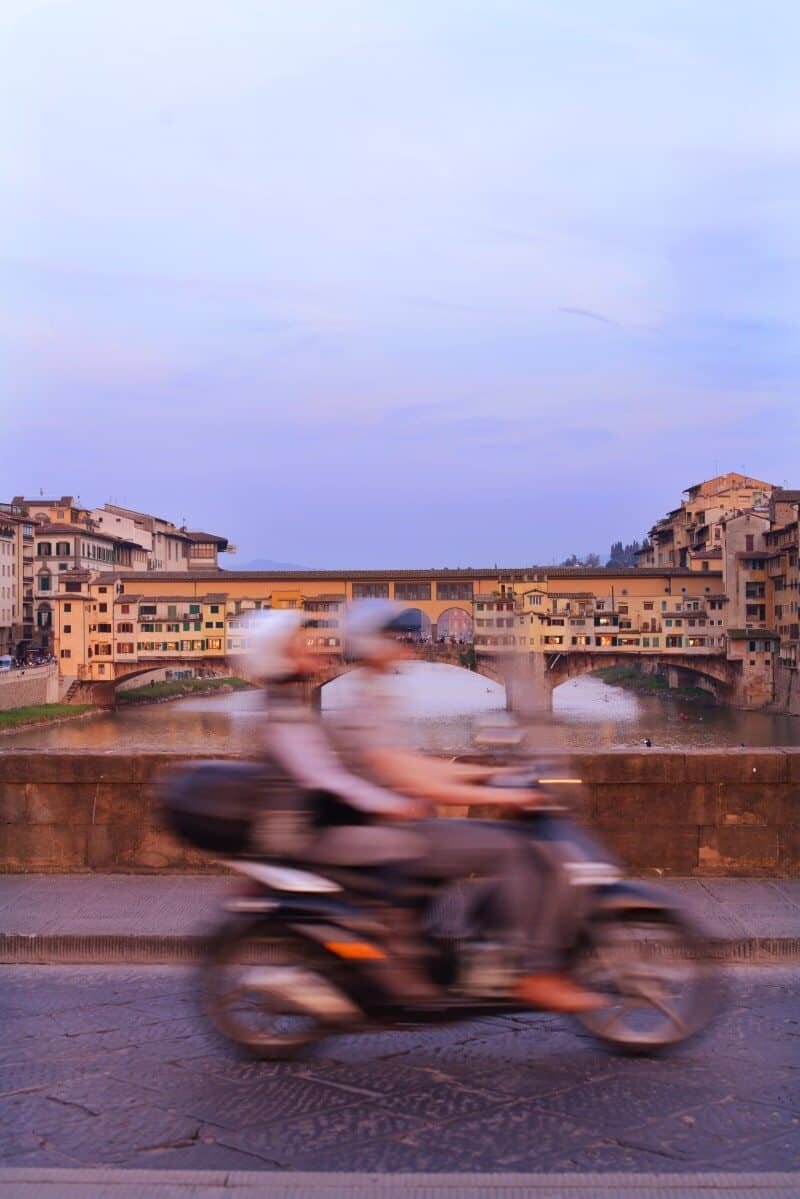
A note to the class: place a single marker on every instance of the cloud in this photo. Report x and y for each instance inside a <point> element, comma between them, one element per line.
<point>588,314</point>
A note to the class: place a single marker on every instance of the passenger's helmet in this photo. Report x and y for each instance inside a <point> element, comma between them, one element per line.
<point>270,636</point>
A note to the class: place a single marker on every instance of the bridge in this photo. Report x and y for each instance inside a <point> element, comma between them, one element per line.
<point>559,622</point>
<point>538,673</point>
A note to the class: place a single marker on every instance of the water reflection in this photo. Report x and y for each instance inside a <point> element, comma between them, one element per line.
<point>441,705</point>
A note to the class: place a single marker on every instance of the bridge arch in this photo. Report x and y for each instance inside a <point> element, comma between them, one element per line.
<point>713,673</point>
<point>455,625</point>
<point>435,693</point>
<point>422,624</point>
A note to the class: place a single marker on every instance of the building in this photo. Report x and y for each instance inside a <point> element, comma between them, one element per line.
<point>694,529</point>
<point>65,538</point>
<point>12,589</point>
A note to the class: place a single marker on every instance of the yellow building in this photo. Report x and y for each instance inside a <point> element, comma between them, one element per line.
<point>11,583</point>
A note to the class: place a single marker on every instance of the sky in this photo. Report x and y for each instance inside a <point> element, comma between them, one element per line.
<point>413,283</point>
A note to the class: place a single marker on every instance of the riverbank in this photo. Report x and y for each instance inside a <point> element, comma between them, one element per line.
<point>12,719</point>
<point>181,689</point>
<point>633,679</point>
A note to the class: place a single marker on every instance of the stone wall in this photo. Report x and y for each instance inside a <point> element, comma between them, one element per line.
<point>787,690</point>
<point>33,685</point>
<point>733,812</point>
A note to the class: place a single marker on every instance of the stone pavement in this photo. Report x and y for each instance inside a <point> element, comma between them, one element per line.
<point>217,1184</point>
<point>151,917</point>
<point>116,1067</point>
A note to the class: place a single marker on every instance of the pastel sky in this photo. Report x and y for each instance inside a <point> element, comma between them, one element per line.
<point>399,282</point>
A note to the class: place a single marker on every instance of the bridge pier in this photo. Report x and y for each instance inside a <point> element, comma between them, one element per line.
<point>528,684</point>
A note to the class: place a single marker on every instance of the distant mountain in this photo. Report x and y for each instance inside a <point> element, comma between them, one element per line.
<point>267,564</point>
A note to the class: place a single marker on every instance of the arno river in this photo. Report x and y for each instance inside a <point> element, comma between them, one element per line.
<point>442,706</point>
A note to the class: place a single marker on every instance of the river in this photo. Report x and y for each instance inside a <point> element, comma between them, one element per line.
<point>441,705</point>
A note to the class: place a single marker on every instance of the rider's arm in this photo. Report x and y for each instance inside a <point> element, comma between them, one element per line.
<point>302,749</point>
<point>416,775</point>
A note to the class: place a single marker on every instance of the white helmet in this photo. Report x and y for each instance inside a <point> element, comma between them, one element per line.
<point>270,635</point>
<point>370,621</point>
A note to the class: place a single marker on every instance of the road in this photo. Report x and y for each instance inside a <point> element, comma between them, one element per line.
<point>114,1066</point>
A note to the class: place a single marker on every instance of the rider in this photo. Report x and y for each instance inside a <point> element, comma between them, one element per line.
<point>536,894</point>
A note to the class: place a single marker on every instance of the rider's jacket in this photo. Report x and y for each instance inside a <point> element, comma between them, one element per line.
<point>314,805</point>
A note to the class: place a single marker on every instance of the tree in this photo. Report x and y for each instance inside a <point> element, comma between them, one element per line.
<point>623,555</point>
<point>590,560</point>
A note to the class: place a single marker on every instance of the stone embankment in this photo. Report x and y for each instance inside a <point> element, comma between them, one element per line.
<point>697,813</point>
<point>31,686</point>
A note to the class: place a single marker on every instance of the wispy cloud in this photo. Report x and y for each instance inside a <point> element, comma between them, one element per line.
<point>588,314</point>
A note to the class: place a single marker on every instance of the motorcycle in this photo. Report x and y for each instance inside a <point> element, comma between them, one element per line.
<point>305,953</point>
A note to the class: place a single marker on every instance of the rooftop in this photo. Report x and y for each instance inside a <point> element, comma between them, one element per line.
<point>206,537</point>
<point>522,574</point>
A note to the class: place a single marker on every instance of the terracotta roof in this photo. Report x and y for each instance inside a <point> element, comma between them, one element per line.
<point>81,530</point>
<point>205,537</point>
<point>521,574</point>
<point>787,495</point>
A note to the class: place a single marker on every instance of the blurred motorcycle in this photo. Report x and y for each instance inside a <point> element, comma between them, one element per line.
<point>304,953</point>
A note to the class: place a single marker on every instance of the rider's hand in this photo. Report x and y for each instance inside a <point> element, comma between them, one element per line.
<point>412,809</point>
<point>522,798</point>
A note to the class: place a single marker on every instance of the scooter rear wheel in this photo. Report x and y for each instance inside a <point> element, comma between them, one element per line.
<point>242,995</point>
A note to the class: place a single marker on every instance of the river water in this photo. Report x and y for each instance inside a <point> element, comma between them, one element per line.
<point>441,705</point>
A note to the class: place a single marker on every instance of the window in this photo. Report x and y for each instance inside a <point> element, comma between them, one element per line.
<point>102,590</point>
<point>648,605</point>
<point>124,626</point>
<point>102,607</point>
<point>67,607</point>
<point>104,628</point>
<point>66,653</point>
<point>454,591</point>
<point>44,549</point>
<point>192,608</point>
<point>412,591</point>
<point>44,583</point>
<point>67,628</point>
<point>149,610</point>
<point>72,587</point>
<point>215,608</point>
<point>125,647</point>
<point>371,591</point>
<point>125,609</point>
<point>749,544</point>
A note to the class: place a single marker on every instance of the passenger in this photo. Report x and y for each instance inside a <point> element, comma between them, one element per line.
<point>319,812</point>
<point>535,895</point>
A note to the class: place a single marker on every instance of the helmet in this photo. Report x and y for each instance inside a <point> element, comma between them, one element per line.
<point>370,621</point>
<point>271,633</point>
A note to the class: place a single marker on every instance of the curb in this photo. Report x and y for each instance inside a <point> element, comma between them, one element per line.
<point>45,949</point>
<point>289,1185</point>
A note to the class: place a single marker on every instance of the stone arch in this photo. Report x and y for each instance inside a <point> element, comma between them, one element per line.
<point>423,631</point>
<point>455,625</point>
<point>711,672</point>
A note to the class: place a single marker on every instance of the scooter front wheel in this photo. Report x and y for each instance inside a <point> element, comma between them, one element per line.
<point>650,967</point>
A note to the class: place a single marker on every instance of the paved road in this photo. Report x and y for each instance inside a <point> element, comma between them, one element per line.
<point>113,1065</point>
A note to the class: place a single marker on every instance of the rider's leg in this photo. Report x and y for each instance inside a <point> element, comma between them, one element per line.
<point>534,897</point>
